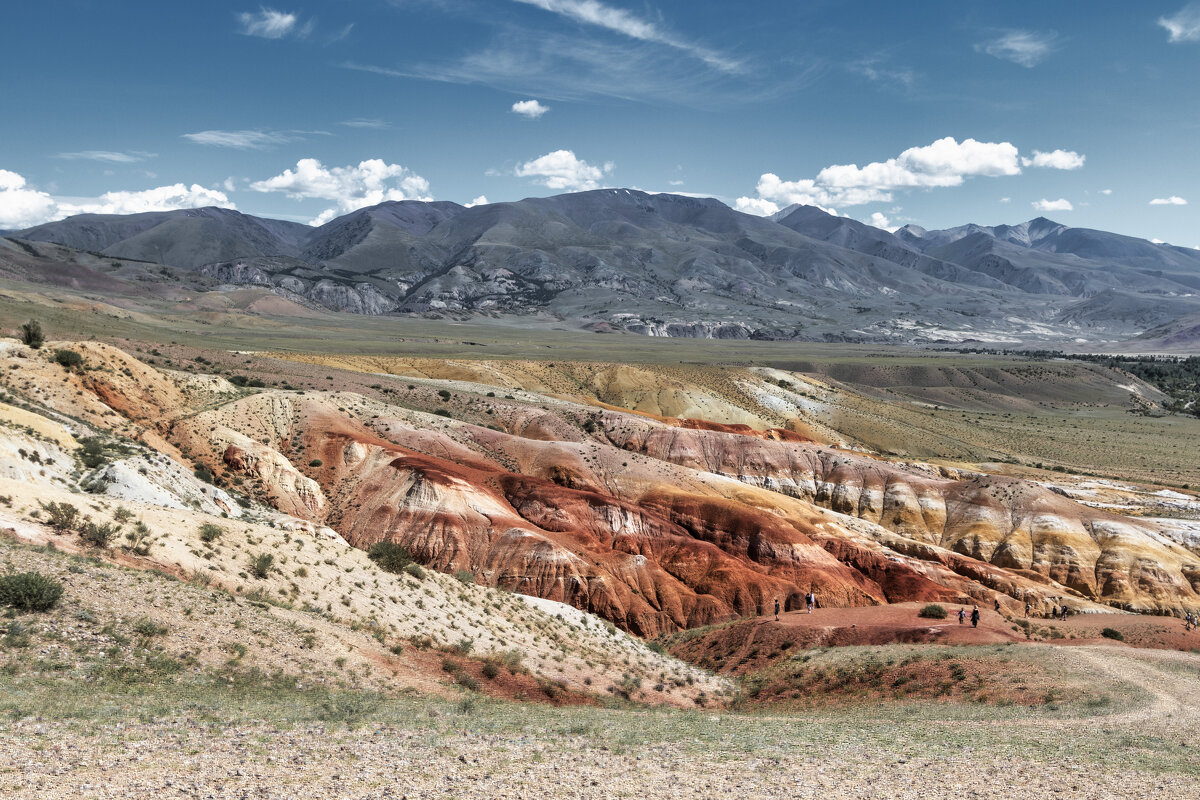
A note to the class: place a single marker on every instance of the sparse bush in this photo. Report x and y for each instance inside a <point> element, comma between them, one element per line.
<point>98,535</point>
<point>63,516</point>
<point>466,681</point>
<point>261,565</point>
<point>465,576</point>
<point>414,570</point>
<point>210,532</point>
<point>29,591</point>
<point>1113,633</point>
<point>390,557</point>
<point>490,671</point>
<point>31,334</point>
<point>347,708</point>
<point>933,611</point>
<point>148,627</point>
<point>122,515</point>
<point>464,645</point>
<point>68,359</point>
<point>316,462</point>
<point>92,455</point>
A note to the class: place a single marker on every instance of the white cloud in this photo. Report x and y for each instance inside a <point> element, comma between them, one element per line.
<point>1005,199</point>
<point>879,220</point>
<point>1106,191</point>
<point>529,108</point>
<point>352,187</point>
<point>240,140</point>
<point>562,170</point>
<point>107,156</point>
<point>1055,159</point>
<point>271,24</point>
<point>478,201</point>
<point>22,207</point>
<point>756,206</point>
<point>1184,26</point>
<point>1061,204</point>
<point>1157,241</point>
<point>1027,48</point>
<point>946,162</point>
<point>593,12</point>
<point>1173,200</point>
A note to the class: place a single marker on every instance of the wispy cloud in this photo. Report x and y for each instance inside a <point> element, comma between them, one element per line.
<point>1027,48</point>
<point>876,71</point>
<point>529,108</point>
<point>267,23</point>
<point>106,156</point>
<point>1184,25</point>
<point>1173,200</point>
<point>361,122</point>
<point>593,12</point>
<point>243,140</point>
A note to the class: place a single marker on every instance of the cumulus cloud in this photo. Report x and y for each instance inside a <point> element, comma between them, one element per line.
<point>562,170</point>
<point>1173,200</point>
<point>106,156</point>
<point>22,206</point>
<point>240,140</point>
<point>271,24</point>
<point>880,220</point>
<point>1184,26</point>
<point>946,162</point>
<point>1106,191</point>
<point>1055,159</point>
<point>529,108</point>
<point>1027,48</point>
<point>478,201</point>
<point>1061,204</point>
<point>618,20</point>
<point>352,187</point>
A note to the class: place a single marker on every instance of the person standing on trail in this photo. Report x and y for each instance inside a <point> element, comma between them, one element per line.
<point>962,615</point>
<point>1028,608</point>
<point>997,605</point>
<point>975,617</point>
<point>810,600</point>
<point>777,609</point>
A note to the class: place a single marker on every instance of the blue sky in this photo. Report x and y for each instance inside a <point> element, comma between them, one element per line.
<point>934,113</point>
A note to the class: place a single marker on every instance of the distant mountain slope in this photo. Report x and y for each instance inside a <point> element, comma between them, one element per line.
<point>669,265</point>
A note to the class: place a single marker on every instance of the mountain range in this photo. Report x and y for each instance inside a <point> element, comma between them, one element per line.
<point>662,265</point>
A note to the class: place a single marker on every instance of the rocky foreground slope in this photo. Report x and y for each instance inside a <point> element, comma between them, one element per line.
<point>655,523</point>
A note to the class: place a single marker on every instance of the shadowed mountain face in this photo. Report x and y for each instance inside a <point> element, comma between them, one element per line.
<point>666,265</point>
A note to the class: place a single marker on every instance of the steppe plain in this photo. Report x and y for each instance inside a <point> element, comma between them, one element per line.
<point>147,682</point>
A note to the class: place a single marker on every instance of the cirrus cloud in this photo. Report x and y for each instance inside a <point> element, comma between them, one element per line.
<point>351,187</point>
<point>562,170</point>
<point>1027,48</point>
<point>271,24</point>
<point>1184,25</point>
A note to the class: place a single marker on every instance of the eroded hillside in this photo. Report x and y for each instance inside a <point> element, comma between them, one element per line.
<point>678,514</point>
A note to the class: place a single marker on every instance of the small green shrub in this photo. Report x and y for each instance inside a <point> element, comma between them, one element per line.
<point>31,334</point>
<point>63,516</point>
<point>390,557</point>
<point>68,359</point>
<point>210,532</point>
<point>316,462</point>
<point>98,535</point>
<point>1113,633</point>
<point>148,627</point>
<point>92,454</point>
<point>261,564</point>
<point>465,576</point>
<point>414,570</point>
<point>29,591</point>
<point>490,671</point>
<point>933,611</point>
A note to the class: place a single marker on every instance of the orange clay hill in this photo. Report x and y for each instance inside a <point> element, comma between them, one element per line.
<point>657,525</point>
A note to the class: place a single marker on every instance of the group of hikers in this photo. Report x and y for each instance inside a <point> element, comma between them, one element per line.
<point>810,600</point>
